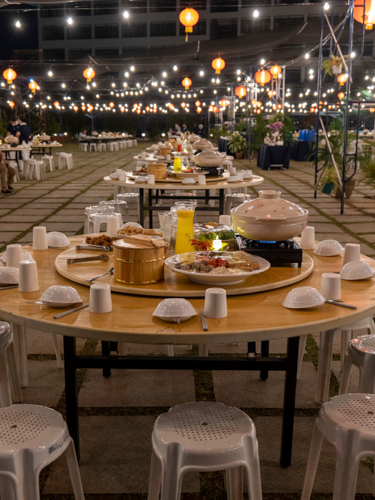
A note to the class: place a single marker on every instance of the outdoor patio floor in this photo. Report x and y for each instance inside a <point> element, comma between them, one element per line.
<point>117,413</point>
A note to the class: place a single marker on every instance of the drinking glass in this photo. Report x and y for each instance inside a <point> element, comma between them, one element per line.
<point>185,227</point>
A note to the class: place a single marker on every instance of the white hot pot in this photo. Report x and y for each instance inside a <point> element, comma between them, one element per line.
<point>269,218</point>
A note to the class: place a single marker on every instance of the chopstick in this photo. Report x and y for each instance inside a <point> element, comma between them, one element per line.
<point>204,322</point>
<point>337,303</point>
<point>61,315</point>
<point>8,287</point>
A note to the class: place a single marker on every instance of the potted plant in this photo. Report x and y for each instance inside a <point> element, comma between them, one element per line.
<point>274,134</point>
<point>333,65</point>
<point>237,145</point>
<point>328,180</point>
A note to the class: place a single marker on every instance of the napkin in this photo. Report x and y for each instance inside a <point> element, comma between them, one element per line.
<point>140,180</point>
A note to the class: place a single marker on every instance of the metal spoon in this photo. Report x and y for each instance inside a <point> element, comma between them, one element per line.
<point>100,275</point>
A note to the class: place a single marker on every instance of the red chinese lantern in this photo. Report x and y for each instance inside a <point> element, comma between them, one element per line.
<point>183,104</point>
<point>83,107</point>
<point>270,93</point>
<point>197,103</point>
<point>262,77</point>
<point>341,95</point>
<point>11,104</point>
<point>189,18</point>
<point>186,82</point>
<point>111,105</point>
<point>240,91</point>
<point>138,111</point>
<point>224,103</point>
<point>33,86</point>
<point>218,64</point>
<point>89,74</point>
<point>9,75</point>
<point>369,15</point>
<point>343,78</point>
<point>147,108</point>
<point>258,111</point>
<point>199,109</point>
<point>259,104</point>
<point>76,108</point>
<point>90,107</point>
<point>56,104</point>
<point>275,71</point>
<point>372,110</point>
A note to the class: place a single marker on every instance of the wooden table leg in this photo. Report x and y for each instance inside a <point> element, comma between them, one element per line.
<point>289,402</point>
<point>324,366</point>
<point>71,390</point>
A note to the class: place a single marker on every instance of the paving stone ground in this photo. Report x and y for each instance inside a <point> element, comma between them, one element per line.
<point>117,413</point>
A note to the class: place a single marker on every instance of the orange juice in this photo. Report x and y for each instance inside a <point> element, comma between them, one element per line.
<point>185,231</point>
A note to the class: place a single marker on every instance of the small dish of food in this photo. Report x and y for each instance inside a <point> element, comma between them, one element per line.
<point>102,240</point>
<point>212,268</point>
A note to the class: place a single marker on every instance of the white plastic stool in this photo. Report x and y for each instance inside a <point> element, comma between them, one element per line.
<point>83,146</point>
<point>134,142</point>
<point>40,170</point>
<point>326,351</point>
<point>360,353</point>
<point>348,422</point>
<point>92,146</point>
<point>131,199</point>
<point>96,221</point>
<point>8,368</point>
<point>32,438</point>
<point>115,146</point>
<point>110,146</point>
<point>94,209</point>
<point>203,437</point>
<point>234,199</point>
<point>102,147</point>
<point>66,159</point>
<point>48,161</point>
<point>29,168</point>
<point>15,166</point>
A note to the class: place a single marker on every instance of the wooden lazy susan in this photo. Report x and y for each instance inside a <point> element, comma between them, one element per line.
<point>175,284</point>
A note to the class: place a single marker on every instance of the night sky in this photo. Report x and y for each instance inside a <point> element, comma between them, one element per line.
<point>11,37</point>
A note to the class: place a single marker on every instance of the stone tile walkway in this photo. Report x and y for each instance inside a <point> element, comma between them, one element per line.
<point>117,413</point>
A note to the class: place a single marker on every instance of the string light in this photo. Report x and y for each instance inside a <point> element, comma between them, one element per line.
<point>69,21</point>
<point>126,14</point>
<point>256,13</point>
<point>18,24</point>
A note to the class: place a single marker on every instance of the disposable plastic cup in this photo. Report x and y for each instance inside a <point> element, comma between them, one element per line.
<point>28,276</point>
<point>308,238</point>
<point>352,253</point>
<point>330,286</point>
<point>13,255</point>
<point>215,303</point>
<point>100,301</point>
<point>40,241</point>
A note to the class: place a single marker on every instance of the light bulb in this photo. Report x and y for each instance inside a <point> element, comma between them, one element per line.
<point>132,68</point>
<point>307,56</point>
<point>126,14</point>
<point>175,68</point>
<point>18,24</point>
<point>256,13</point>
<point>262,61</point>
<point>326,6</point>
<point>69,20</point>
<point>164,74</point>
<point>201,73</point>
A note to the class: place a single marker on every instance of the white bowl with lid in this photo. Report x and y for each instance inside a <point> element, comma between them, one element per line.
<point>209,158</point>
<point>269,218</point>
<point>355,270</point>
<point>303,297</point>
<point>202,144</point>
<point>174,310</point>
<point>60,296</point>
<point>56,239</point>
<point>328,248</point>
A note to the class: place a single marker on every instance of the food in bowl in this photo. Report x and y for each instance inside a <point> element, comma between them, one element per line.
<point>102,240</point>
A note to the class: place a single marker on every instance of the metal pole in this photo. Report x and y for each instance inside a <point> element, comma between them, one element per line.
<point>319,94</point>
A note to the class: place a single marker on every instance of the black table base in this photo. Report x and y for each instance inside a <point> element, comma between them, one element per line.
<point>159,196</point>
<point>273,157</point>
<point>36,150</point>
<point>262,364</point>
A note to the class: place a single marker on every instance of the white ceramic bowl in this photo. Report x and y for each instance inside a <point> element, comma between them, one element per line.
<point>303,297</point>
<point>233,178</point>
<point>356,271</point>
<point>189,180</point>
<point>9,275</point>
<point>247,175</point>
<point>134,224</point>
<point>25,256</point>
<point>174,310</point>
<point>328,248</point>
<point>60,296</point>
<point>140,180</point>
<point>57,240</point>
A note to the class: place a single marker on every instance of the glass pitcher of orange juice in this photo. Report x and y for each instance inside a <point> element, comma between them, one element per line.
<point>185,228</point>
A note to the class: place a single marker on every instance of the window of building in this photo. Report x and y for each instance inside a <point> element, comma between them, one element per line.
<point>52,33</point>
<point>198,29</point>
<point>137,6</point>
<point>254,3</point>
<point>260,24</point>
<point>134,30</point>
<point>107,52</point>
<point>105,7</point>
<point>196,4</point>
<point>224,6</point>
<point>53,54</point>
<point>79,32</point>
<point>79,53</point>
<point>51,10</point>
<point>106,31</point>
<point>368,48</point>
<point>279,22</point>
<point>293,76</point>
<point>132,51</point>
<point>223,28</point>
<point>78,9</point>
<point>162,6</point>
<point>163,29</point>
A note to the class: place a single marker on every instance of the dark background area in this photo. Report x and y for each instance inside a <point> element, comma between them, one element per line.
<point>12,38</point>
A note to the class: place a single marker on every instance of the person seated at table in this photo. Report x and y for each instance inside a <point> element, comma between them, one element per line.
<point>184,128</point>
<point>82,136</point>
<point>177,128</point>
<point>13,129</point>
<point>170,133</point>
<point>7,174</point>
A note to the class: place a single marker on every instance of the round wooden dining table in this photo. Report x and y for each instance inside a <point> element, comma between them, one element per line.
<point>253,317</point>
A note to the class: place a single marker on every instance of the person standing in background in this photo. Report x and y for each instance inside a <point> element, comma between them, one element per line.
<point>15,130</point>
<point>24,139</point>
<point>7,174</point>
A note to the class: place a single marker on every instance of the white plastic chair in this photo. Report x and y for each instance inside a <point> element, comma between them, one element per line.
<point>130,199</point>
<point>83,146</point>
<point>48,161</point>
<point>203,437</point>
<point>29,168</point>
<point>8,368</point>
<point>102,147</point>
<point>347,422</point>
<point>40,170</point>
<point>360,353</point>
<point>93,209</point>
<point>97,220</point>
<point>92,146</point>
<point>33,437</point>
<point>234,199</point>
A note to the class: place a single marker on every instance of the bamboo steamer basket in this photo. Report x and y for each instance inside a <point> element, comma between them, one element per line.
<point>164,151</point>
<point>159,170</point>
<point>136,264</point>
